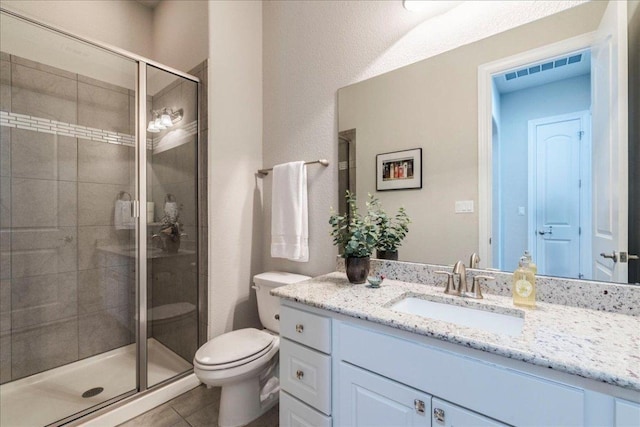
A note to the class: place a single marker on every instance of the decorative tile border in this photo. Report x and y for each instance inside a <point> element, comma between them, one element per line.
<point>38,124</point>
<point>602,296</point>
<point>54,127</point>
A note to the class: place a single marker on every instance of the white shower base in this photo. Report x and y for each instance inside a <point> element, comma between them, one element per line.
<point>49,396</point>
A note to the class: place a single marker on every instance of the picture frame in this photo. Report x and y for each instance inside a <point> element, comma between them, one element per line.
<point>399,170</point>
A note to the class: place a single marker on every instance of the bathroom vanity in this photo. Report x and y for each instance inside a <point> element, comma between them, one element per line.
<point>352,356</point>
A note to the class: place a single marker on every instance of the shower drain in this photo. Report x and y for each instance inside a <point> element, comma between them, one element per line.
<point>92,392</point>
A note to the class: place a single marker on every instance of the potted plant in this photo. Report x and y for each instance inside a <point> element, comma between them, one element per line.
<point>391,231</point>
<point>356,236</point>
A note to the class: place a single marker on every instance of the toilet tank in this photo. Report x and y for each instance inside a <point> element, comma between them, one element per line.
<point>269,306</point>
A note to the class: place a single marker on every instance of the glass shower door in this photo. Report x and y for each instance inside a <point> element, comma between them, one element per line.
<point>172,224</point>
<point>68,237</point>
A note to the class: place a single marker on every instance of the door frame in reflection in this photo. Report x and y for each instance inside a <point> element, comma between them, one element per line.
<point>485,129</point>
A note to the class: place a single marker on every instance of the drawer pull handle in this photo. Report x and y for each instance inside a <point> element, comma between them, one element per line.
<point>299,328</point>
<point>439,416</point>
<point>277,317</point>
<point>299,374</point>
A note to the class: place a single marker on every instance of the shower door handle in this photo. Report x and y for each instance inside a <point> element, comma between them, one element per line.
<point>135,209</point>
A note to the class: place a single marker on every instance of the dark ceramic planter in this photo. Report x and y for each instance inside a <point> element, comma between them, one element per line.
<point>357,269</point>
<point>390,255</point>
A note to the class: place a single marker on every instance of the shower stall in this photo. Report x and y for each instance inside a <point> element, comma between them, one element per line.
<point>101,182</point>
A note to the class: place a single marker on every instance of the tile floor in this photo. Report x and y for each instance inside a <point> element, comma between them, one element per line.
<point>196,408</point>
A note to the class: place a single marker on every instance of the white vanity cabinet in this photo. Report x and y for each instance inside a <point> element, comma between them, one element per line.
<point>488,389</point>
<point>627,414</point>
<point>305,368</point>
<point>378,376</point>
<point>370,400</point>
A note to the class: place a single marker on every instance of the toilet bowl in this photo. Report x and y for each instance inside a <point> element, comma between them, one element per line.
<point>245,362</point>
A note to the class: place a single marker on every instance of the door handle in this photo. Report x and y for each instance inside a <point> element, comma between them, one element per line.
<point>626,257</point>
<point>543,232</point>
<point>613,256</point>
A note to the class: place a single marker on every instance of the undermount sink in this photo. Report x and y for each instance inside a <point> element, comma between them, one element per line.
<point>497,323</point>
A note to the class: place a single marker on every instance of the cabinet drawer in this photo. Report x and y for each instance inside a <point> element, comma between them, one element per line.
<point>500,393</point>
<point>306,374</point>
<point>294,413</point>
<point>306,328</point>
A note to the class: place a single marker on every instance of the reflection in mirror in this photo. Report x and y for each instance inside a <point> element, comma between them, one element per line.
<point>541,185</point>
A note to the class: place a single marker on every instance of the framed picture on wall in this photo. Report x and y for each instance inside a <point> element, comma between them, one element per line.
<point>400,170</point>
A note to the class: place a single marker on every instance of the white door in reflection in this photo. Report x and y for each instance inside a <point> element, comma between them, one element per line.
<point>559,153</point>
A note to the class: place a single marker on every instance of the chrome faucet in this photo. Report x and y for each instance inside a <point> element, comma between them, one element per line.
<point>474,260</point>
<point>460,270</point>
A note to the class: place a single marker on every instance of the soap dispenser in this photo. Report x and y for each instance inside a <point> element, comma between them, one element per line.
<point>524,284</point>
<point>532,265</point>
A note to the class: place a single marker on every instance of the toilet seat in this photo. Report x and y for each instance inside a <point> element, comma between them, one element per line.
<point>234,349</point>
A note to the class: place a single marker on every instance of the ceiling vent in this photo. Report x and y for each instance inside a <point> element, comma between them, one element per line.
<point>548,65</point>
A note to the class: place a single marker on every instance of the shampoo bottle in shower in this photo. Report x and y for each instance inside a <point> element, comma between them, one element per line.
<point>524,285</point>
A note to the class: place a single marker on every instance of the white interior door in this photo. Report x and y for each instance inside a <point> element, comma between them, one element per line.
<point>555,188</point>
<point>610,140</point>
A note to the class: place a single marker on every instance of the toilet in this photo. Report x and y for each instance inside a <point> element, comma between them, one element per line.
<point>245,362</point>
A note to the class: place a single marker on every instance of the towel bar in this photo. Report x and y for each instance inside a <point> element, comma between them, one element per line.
<point>323,162</point>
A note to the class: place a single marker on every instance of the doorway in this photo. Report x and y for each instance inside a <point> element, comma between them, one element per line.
<point>346,167</point>
<point>535,152</point>
<point>559,187</point>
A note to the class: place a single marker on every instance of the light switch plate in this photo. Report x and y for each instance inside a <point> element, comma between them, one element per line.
<point>521,210</point>
<point>464,206</point>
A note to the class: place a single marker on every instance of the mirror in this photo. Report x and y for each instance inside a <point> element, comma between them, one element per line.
<point>433,105</point>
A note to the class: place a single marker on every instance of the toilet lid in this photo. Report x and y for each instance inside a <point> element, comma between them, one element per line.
<point>234,346</point>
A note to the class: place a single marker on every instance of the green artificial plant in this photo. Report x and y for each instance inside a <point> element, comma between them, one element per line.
<point>391,230</point>
<point>356,235</point>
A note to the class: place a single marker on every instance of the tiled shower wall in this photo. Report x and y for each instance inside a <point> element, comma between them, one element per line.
<point>62,298</point>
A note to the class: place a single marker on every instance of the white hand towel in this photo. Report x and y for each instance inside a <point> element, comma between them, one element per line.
<point>289,212</point>
<point>122,216</point>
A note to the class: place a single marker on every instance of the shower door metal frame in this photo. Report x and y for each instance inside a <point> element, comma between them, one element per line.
<point>140,212</point>
<point>141,229</point>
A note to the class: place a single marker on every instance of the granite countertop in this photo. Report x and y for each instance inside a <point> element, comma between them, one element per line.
<point>592,344</point>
